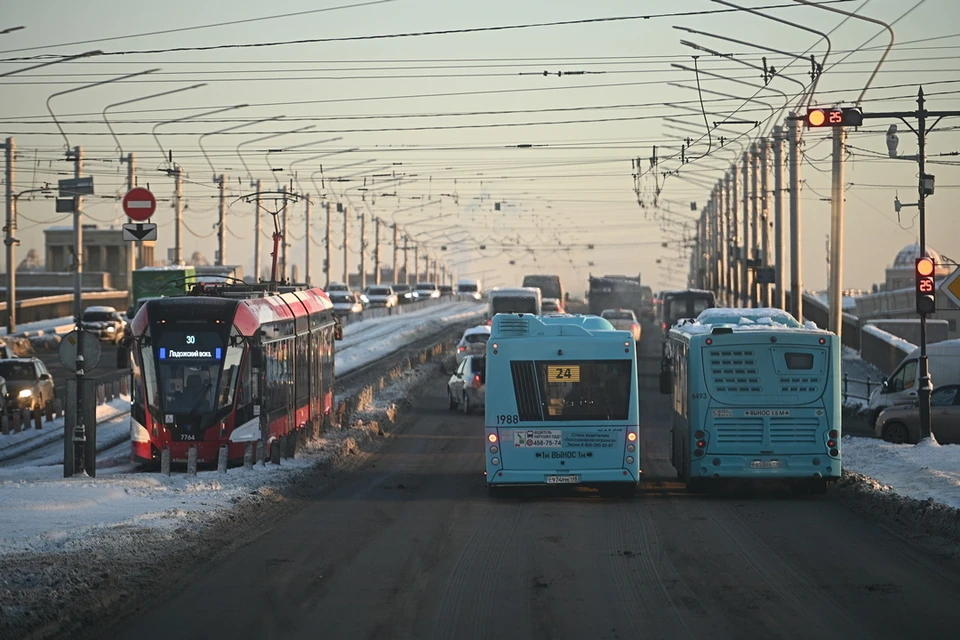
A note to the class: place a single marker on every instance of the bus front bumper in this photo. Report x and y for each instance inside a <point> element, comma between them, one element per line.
<point>771,467</point>
<point>587,477</point>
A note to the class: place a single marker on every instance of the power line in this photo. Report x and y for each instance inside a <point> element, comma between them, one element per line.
<point>417,34</point>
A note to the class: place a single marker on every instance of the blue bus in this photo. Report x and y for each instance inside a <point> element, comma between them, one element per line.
<point>756,395</point>
<point>562,404</point>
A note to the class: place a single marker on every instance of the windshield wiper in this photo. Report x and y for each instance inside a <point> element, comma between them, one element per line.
<point>196,405</point>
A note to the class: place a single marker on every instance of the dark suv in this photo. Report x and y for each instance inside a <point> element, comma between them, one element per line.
<point>29,384</point>
<point>104,322</point>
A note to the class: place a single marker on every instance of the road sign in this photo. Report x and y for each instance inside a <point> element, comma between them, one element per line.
<point>139,231</point>
<point>139,204</point>
<point>951,287</point>
<point>76,187</point>
<point>68,351</point>
<point>65,205</point>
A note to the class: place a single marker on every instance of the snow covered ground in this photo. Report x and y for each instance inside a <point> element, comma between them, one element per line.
<point>40,511</point>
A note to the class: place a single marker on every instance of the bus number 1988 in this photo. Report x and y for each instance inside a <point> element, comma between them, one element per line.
<point>506,419</point>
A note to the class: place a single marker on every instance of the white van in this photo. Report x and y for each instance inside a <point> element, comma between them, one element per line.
<point>943,362</point>
<point>469,289</point>
<point>513,300</point>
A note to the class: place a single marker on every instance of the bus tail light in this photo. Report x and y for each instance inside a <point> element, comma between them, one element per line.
<point>699,435</point>
<point>492,437</point>
<point>834,433</point>
<point>632,436</point>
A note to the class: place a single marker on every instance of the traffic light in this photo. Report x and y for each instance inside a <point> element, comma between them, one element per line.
<point>834,117</point>
<point>926,287</point>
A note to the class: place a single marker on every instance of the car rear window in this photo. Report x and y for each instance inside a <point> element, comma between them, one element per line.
<point>378,292</point>
<point>97,316</point>
<point>618,315</point>
<point>474,338</point>
<point>17,371</point>
<point>480,366</point>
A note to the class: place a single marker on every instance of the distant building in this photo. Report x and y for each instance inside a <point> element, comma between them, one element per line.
<point>104,250</point>
<point>895,298</point>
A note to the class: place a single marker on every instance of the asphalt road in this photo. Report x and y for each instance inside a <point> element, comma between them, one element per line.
<point>407,544</point>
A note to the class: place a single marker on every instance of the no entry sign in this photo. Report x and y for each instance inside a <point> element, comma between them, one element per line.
<point>139,204</point>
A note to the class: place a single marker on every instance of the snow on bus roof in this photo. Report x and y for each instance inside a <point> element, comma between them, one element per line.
<point>743,319</point>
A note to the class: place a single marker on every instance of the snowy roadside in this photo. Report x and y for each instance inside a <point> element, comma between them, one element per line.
<point>79,549</point>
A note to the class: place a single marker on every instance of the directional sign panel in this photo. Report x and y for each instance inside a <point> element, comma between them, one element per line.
<point>76,187</point>
<point>139,232</point>
<point>951,287</point>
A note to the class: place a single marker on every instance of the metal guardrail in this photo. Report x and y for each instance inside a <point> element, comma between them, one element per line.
<point>868,383</point>
<point>370,313</point>
<point>61,306</point>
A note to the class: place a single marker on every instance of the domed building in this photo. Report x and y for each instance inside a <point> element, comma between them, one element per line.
<point>900,274</point>
<point>893,305</point>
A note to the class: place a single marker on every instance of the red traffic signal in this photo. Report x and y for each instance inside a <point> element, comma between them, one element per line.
<point>834,117</point>
<point>926,286</point>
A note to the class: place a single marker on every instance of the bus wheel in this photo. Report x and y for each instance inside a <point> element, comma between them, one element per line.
<point>452,403</point>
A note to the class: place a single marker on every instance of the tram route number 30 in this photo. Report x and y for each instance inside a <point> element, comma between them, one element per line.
<point>191,339</point>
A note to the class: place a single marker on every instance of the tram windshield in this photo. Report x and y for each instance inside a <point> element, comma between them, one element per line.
<point>190,370</point>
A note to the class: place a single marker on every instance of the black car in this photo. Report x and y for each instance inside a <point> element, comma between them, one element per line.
<point>29,384</point>
<point>405,295</point>
<point>446,290</point>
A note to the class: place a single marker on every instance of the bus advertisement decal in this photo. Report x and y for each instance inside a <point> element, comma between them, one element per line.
<point>594,439</point>
<point>543,438</point>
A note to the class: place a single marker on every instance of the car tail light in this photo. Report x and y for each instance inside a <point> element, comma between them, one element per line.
<point>476,381</point>
<point>461,349</point>
<point>633,326</point>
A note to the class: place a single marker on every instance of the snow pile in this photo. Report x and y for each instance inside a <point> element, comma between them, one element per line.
<point>924,471</point>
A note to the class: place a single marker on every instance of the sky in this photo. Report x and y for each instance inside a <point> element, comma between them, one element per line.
<point>525,140</point>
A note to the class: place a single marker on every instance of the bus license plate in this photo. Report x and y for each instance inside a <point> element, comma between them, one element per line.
<point>563,479</point>
<point>765,464</point>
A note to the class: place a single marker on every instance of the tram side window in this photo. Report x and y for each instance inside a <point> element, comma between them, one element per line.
<point>303,370</point>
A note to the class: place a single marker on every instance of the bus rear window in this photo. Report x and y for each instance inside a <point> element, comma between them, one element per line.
<point>799,361</point>
<point>573,390</point>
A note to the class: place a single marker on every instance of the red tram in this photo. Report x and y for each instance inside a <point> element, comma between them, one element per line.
<point>230,364</point>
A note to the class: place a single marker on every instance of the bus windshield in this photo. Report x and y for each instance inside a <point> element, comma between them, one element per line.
<point>582,390</point>
<point>513,304</point>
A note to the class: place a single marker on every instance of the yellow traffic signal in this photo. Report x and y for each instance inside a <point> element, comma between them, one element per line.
<point>926,286</point>
<point>834,117</point>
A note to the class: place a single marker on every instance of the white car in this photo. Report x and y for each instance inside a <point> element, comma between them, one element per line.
<point>345,302</point>
<point>473,342</point>
<point>380,296</point>
<point>623,319</point>
<point>427,290</point>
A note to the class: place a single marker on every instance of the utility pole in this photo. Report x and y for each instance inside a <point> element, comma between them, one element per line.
<point>924,188</point>
<point>283,231</point>
<point>836,233</point>
<point>10,238</point>
<point>376,250</point>
<point>306,250</point>
<point>135,257</point>
<point>765,216</point>
<point>406,262</point>
<point>416,265</point>
<point>222,220</point>
<point>732,273</point>
<point>796,276</point>
<point>395,274</point>
<point>723,238</point>
<point>346,252</point>
<point>256,234</point>
<point>79,430</point>
<point>744,268</point>
<point>779,295</point>
<point>754,223</point>
<point>326,242</point>
<point>363,251</point>
<point>177,215</point>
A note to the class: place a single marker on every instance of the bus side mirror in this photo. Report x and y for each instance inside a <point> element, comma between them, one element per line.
<point>123,357</point>
<point>256,358</point>
<point>666,381</point>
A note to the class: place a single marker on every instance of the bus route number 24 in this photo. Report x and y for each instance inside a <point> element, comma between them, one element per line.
<point>507,419</point>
